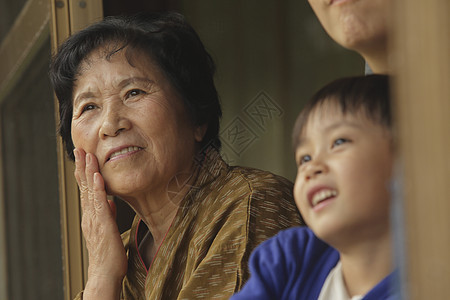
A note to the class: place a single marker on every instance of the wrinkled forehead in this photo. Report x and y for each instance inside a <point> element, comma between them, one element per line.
<point>114,51</point>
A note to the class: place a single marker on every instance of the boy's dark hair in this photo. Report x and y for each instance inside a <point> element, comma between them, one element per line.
<point>165,38</point>
<point>369,94</point>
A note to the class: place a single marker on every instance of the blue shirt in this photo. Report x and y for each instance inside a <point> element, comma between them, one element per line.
<point>294,265</point>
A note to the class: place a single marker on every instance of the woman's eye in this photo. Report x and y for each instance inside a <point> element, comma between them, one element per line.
<point>304,159</point>
<point>339,141</point>
<point>134,93</point>
<point>88,107</point>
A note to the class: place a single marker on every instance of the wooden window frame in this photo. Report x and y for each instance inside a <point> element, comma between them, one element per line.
<point>421,64</point>
<point>67,17</point>
<point>36,21</point>
<point>17,50</point>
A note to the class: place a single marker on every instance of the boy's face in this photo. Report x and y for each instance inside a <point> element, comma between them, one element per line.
<point>344,167</point>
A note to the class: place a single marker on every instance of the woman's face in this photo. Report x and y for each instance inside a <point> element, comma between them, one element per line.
<point>360,25</point>
<point>130,117</point>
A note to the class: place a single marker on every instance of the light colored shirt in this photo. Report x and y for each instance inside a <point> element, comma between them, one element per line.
<point>334,286</point>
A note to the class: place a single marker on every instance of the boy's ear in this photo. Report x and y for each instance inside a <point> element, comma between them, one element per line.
<point>199,132</point>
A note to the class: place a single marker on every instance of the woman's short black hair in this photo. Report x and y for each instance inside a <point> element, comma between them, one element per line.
<point>369,94</point>
<point>168,40</point>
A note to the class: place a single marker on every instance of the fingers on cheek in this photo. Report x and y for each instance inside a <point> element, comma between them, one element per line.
<point>99,191</point>
<point>88,165</point>
<point>80,166</point>
<point>90,170</point>
<point>80,177</point>
<point>98,182</point>
<point>77,176</point>
<point>79,159</point>
<point>76,154</point>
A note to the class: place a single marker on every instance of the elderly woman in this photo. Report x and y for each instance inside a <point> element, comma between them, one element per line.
<point>140,116</point>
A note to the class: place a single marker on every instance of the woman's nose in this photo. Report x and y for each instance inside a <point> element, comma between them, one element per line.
<point>114,121</point>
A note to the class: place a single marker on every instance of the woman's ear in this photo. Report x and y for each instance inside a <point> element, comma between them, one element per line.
<point>199,132</point>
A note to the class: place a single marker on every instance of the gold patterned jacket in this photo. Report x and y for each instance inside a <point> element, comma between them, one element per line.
<point>225,215</point>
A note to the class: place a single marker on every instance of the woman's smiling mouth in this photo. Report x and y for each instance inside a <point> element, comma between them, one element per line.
<point>337,2</point>
<point>123,152</point>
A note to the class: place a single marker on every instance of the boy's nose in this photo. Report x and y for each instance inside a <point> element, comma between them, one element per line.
<point>314,169</point>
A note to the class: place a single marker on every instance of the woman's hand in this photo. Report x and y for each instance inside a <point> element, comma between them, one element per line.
<point>107,258</point>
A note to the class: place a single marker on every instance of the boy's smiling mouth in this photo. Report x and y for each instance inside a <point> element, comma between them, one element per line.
<point>321,195</point>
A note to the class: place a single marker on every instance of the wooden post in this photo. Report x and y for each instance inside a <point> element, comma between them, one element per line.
<point>69,16</point>
<point>421,59</point>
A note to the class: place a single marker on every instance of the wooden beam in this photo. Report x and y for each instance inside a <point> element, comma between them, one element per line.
<point>421,46</point>
<point>25,37</point>
<point>69,16</point>
<point>17,50</point>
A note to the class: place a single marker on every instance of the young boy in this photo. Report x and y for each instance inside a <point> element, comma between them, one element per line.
<point>344,154</point>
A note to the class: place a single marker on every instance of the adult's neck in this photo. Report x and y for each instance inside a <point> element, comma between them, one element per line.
<point>377,59</point>
<point>158,207</point>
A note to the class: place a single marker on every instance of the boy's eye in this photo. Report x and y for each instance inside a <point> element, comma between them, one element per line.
<point>304,159</point>
<point>339,141</point>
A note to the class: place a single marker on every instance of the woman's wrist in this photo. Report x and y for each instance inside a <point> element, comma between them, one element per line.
<point>102,288</point>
